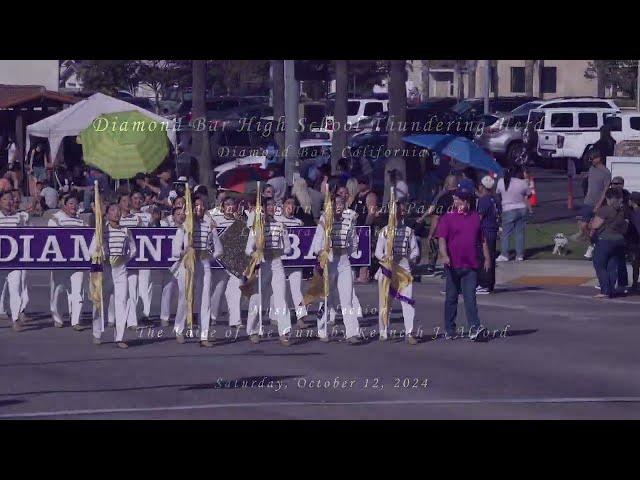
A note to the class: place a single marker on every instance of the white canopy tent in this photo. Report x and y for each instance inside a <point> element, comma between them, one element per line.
<point>71,121</point>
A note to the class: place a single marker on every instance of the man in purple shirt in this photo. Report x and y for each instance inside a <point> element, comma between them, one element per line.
<point>459,235</point>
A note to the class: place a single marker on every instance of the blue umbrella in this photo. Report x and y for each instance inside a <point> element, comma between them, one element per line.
<point>459,148</point>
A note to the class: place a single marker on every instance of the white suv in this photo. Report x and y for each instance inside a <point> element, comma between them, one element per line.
<point>567,128</point>
<point>357,109</point>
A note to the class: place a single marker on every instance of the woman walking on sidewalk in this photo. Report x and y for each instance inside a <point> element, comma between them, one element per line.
<point>514,191</point>
<point>608,228</point>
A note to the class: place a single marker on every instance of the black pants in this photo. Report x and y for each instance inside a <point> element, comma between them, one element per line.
<point>487,279</point>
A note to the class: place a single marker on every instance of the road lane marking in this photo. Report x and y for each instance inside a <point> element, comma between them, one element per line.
<point>552,400</point>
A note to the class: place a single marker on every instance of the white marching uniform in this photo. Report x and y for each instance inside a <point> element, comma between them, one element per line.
<point>145,286</point>
<point>127,222</point>
<point>118,247</point>
<point>294,274</point>
<point>344,243</point>
<point>14,279</point>
<point>225,282</point>
<point>204,234</point>
<point>69,281</point>
<point>169,281</point>
<point>405,249</point>
<point>276,244</point>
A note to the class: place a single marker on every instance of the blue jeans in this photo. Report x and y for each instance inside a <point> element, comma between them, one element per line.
<point>606,258</point>
<point>623,278</point>
<point>513,221</point>
<point>463,280</point>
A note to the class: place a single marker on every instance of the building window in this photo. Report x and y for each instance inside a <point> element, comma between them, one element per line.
<point>517,80</point>
<point>549,75</point>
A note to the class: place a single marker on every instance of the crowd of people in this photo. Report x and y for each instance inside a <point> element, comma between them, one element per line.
<point>159,200</point>
<point>461,228</point>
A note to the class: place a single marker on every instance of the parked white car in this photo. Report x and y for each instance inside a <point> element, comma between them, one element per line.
<point>357,109</point>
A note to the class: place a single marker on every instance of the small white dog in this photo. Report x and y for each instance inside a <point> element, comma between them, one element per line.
<point>561,242</point>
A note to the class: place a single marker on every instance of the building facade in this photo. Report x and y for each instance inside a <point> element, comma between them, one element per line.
<point>551,78</point>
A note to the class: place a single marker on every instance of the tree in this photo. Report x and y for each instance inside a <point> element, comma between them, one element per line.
<point>617,74</point>
<point>200,145</point>
<point>397,115</point>
<point>339,140</point>
<point>157,75</point>
<point>109,76</point>
<point>472,66</point>
<point>528,77</point>
<point>459,78</point>
<point>240,77</point>
<point>426,64</point>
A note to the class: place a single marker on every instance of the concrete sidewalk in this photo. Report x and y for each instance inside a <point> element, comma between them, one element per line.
<point>558,272</point>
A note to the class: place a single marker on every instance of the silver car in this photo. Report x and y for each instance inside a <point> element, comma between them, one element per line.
<point>502,134</point>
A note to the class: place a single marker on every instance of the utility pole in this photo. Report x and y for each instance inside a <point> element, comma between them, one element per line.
<point>291,134</point>
<point>487,85</point>
<point>638,89</point>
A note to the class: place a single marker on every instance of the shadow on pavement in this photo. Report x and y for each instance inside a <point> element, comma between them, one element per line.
<point>5,403</point>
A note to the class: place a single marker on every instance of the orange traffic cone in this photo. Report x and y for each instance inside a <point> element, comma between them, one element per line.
<point>533,198</point>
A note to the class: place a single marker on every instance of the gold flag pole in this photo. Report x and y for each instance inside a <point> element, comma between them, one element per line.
<point>97,259</point>
<point>388,260</point>
<point>189,258</point>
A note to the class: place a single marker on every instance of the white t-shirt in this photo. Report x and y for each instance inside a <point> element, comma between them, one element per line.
<point>402,190</point>
<point>50,197</point>
<point>11,153</point>
<point>513,198</point>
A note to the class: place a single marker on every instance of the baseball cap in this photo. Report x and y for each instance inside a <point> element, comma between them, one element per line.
<point>617,181</point>
<point>488,182</point>
<point>635,197</point>
<point>465,189</point>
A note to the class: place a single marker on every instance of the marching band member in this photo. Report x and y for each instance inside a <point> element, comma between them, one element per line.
<point>344,243</point>
<point>287,218</point>
<point>145,286</point>
<point>276,243</point>
<point>69,281</point>
<point>222,280</point>
<point>204,234</point>
<point>128,220</point>
<point>170,281</point>
<point>119,247</point>
<point>405,251</point>
<point>10,218</point>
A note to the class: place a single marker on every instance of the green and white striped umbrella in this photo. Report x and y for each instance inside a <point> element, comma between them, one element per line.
<point>124,143</point>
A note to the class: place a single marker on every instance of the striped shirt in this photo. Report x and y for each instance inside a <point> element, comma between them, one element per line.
<point>289,222</point>
<point>129,221</point>
<point>61,219</point>
<point>201,232</point>
<point>145,218</point>
<point>18,219</point>
<point>222,221</point>
<point>116,242</point>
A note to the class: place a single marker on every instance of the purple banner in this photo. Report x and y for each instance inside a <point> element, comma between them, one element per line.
<point>43,248</point>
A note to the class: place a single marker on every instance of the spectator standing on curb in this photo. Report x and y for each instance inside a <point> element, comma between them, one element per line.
<point>489,211</point>
<point>459,233</point>
<point>634,247</point>
<point>608,227</point>
<point>513,190</point>
<point>598,179</point>
<point>443,205</point>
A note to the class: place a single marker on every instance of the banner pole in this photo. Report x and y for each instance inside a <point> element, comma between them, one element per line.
<point>259,274</point>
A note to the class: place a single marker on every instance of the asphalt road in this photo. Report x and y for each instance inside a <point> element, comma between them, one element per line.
<point>564,356</point>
